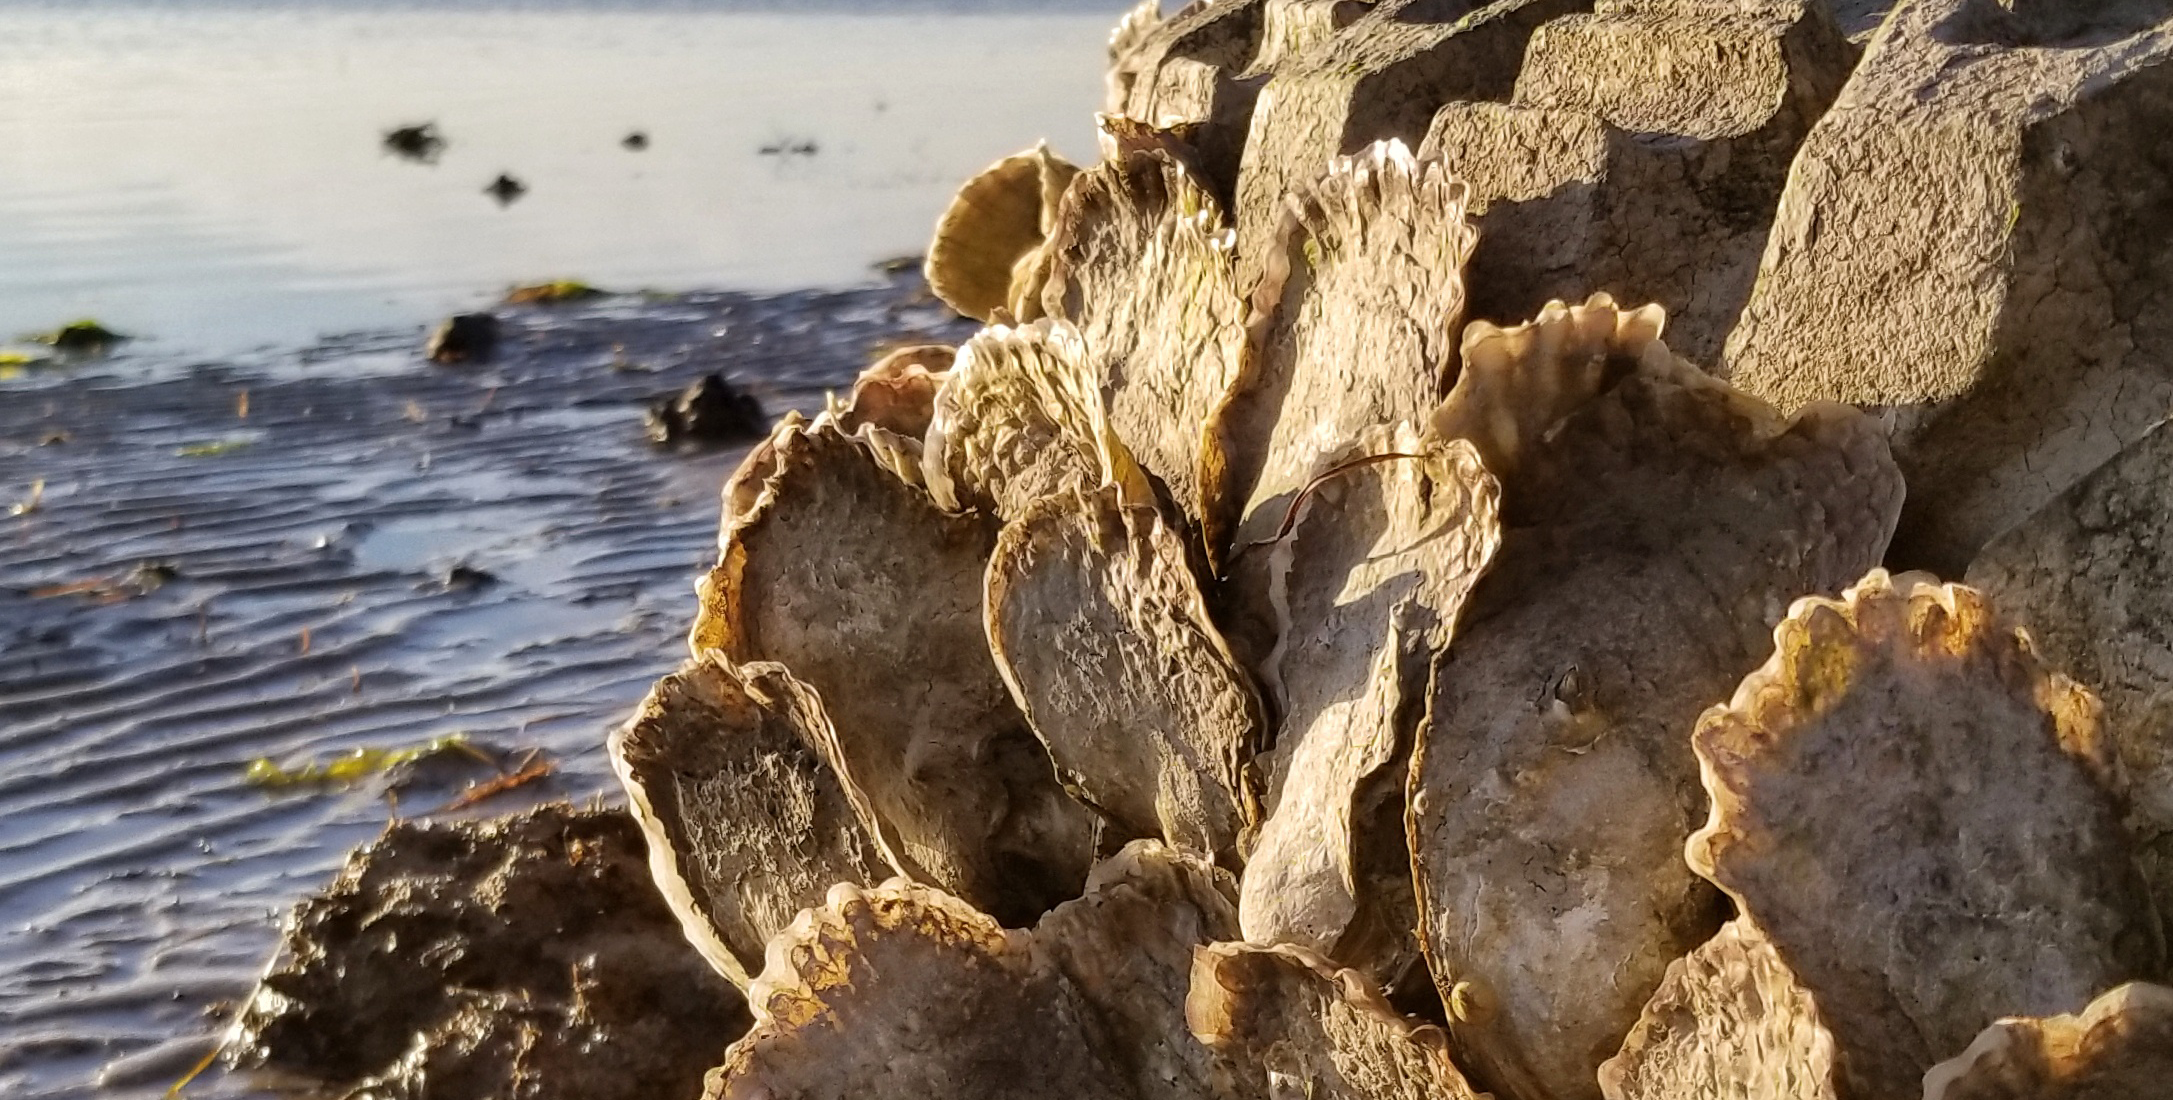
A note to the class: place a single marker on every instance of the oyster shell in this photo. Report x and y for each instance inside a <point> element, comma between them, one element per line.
<point>871,595</point>
<point>729,772</point>
<point>985,259</point>
<point>905,991</point>
<point>1918,815</point>
<point>1021,417</point>
<point>1729,1020</point>
<point>1657,523</point>
<point>1099,628</point>
<point>1354,325</point>
<point>1140,262</point>
<point>2120,1048</point>
<point>898,393</point>
<point>1301,1027</point>
<point>1366,588</point>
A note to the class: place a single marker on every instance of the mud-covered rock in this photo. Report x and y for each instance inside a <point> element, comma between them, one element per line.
<point>1656,523</point>
<point>528,956</point>
<point>2120,1048</point>
<point>1729,1020</point>
<point>1919,816</point>
<point>1300,1026</point>
<point>462,338</point>
<point>1974,238</point>
<point>1643,152</point>
<point>2091,578</point>
<point>710,410</point>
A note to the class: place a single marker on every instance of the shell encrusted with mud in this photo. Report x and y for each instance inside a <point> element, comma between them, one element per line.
<point>1194,690</point>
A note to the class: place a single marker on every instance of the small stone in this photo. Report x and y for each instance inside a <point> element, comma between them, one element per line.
<point>463,338</point>
<point>710,411</point>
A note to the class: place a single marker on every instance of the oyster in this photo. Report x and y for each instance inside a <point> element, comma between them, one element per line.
<point>1140,262</point>
<point>985,259</point>
<point>1021,417</point>
<point>1366,587</point>
<point>871,595</point>
<point>1656,523</point>
<point>2120,1048</point>
<point>1918,815</point>
<point>1099,628</point>
<point>1301,1027</point>
<point>1354,325</point>
<point>1729,1020</point>
<point>729,771</point>
<point>905,991</point>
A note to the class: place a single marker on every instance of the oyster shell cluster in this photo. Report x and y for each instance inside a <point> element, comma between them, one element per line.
<point>1250,676</point>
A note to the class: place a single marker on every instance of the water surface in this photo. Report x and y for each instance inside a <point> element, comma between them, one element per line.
<point>210,174</point>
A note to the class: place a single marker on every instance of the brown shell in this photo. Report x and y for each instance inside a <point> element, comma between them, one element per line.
<point>898,393</point>
<point>905,991</point>
<point>1366,588</point>
<point>728,770</point>
<point>1140,261</point>
<point>1728,1020</point>
<point>1354,325</point>
<point>1302,1027</point>
<point>869,593</point>
<point>983,258</point>
<point>1021,417</point>
<point>1916,812</point>
<point>1098,626</point>
<point>1127,946</point>
<point>2120,1048</point>
<point>1654,530</point>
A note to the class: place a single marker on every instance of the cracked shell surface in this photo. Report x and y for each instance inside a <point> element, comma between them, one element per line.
<point>1654,532</point>
<point>1019,418</point>
<point>871,595</point>
<point>902,991</point>
<point>728,771</point>
<point>1917,813</point>
<point>1366,589</point>
<point>1140,260</point>
<point>1099,627</point>
<point>983,259</point>
<point>1354,325</point>
<point>1729,1020</point>
<point>1302,1027</point>
<point>1127,946</point>
<point>2120,1048</point>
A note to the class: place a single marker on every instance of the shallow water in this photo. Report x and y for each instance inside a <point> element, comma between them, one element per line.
<point>142,877</point>
<point>210,174</point>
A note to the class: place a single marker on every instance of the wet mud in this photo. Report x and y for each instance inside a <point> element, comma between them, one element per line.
<point>297,554</point>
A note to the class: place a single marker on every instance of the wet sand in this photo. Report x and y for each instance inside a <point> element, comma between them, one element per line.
<point>141,876</point>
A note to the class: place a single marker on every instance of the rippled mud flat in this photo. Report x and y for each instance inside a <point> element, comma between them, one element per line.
<point>304,553</point>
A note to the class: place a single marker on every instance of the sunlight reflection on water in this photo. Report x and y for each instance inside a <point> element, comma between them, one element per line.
<point>211,174</point>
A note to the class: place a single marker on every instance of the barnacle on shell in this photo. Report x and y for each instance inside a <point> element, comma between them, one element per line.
<point>1919,815</point>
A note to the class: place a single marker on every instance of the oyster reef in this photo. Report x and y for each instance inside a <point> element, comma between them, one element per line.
<point>1439,577</point>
